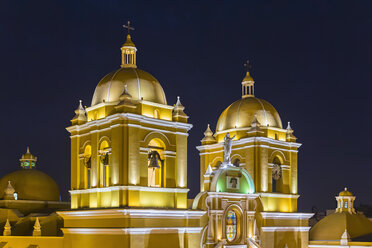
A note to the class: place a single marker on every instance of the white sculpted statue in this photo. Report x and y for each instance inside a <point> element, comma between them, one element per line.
<point>227,149</point>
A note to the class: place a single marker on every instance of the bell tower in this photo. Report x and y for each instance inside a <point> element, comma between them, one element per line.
<point>266,150</point>
<point>129,149</point>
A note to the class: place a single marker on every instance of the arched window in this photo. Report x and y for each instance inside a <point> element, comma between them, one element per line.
<point>88,165</point>
<point>345,204</point>
<point>276,174</point>
<point>156,163</point>
<point>231,225</point>
<point>104,153</point>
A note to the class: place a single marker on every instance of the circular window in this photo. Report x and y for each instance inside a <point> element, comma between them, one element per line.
<point>231,225</point>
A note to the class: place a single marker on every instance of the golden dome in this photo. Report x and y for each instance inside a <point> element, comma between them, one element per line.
<point>28,155</point>
<point>31,184</point>
<point>241,113</point>
<point>129,42</point>
<point>345,193</point>
<point>334,225</point>
<point>248,77</point>
<point>141,85</point>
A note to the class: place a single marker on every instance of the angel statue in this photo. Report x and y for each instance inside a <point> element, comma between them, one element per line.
<point>227,149</point>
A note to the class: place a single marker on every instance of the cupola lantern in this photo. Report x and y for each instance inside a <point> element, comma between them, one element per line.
<point>128,51</point>
<point>248,83</point>
<point>28,161</point>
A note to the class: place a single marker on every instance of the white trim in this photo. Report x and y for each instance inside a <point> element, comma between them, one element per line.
<point>280,215</point>
<point>279,195</point>
<point>141,118</point>
<point>133,188</point>
<point>251,140</point>
<point>154,104</point>
<point>159,122</point>
<point>250,146</point>
<point>130,125</point>
<point>249,128</point>
<point>137,213</point>
<point>131,231</point>
<point>233,195</point>
<point>285,228</point>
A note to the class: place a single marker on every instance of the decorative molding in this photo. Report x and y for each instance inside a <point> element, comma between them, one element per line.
<point>232,195</point>
<point>148,138</point>
<point>131,231</point>
<point>278,195</point>
<point>133,188</point>
<point>137,213</point>
<point>280,215</point>
<point>285,228</point>
<point>129,116</point>
<point>249,146</point>
<point>252,140</point>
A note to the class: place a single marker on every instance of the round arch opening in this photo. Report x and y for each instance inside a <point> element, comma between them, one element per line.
<point>156,175</point>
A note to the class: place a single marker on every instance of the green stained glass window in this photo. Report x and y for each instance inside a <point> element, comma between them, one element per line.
<point>26,164</point>
<point>231,225</point>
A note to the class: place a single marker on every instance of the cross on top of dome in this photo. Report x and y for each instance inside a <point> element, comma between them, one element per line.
<point>128,27</point>
<point>128,50</point>
<point>248,82</point>
<point>248,66</point>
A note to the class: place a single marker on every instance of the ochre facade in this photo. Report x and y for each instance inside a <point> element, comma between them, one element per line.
<point>129,174</point>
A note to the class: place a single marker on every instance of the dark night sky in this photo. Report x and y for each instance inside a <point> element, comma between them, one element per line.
<point>311,59</point>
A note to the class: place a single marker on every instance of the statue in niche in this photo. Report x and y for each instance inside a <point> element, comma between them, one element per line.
<point>227,149</point>
<point>277,171</point>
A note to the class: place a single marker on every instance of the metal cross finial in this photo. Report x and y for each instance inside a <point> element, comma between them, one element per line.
<point>128,27</point>
<point>248,66</point>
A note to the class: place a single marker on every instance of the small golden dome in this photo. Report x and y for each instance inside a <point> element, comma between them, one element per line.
<point>248,77</point>
<point>31,185</point>
<point>331,227</point>
<point>141,85</point>
<point>28,156</point>
<point>241,113</point>
<point>345,193</point>
<point>129,42</point>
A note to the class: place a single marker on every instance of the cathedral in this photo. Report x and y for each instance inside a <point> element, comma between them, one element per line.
<point>129,185</point>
